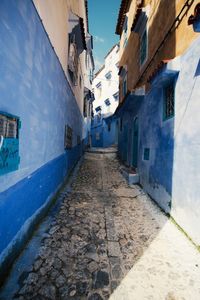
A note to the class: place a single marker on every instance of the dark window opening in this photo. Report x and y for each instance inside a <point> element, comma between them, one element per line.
<point>169,101</point>
<point>107,102</point>
<point>146,153</point>
<point>85,107</point>
<point>68,137</point>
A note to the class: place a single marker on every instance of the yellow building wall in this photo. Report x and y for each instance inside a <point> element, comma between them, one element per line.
<point>161,16</point>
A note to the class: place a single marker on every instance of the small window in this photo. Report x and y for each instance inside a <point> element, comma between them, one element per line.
<point>98,108</point>
<point>99,88</point>
<point>107,102</point>
<point>109,126</point>
<point>146,153</point>
<point>73,60</point>
<point>68,137</point>
<point>143,47</point>
<point>9,143</point>
<point>85,107</point>
<point>108,75</point>
<point>98,85</point>
<point>116,96</point>
<point>169,101</point>
<point>125,29</point>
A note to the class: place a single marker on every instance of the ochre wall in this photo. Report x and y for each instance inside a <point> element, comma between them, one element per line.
<point>161,16</point>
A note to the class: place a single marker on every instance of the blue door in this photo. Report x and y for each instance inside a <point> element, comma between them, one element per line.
<point>135,143</point>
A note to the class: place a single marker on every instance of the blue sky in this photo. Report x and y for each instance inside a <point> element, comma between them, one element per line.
<point>102,23</point>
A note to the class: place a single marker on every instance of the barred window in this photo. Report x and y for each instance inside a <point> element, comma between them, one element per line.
<point>169,101</point>
<point>68,137</point>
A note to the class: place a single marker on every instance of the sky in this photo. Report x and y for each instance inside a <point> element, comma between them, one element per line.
<point>103,16</point>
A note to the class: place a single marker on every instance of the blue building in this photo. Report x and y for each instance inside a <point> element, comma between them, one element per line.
<point>159,110</point>
<point>45,110</point>
<point>104,131</point>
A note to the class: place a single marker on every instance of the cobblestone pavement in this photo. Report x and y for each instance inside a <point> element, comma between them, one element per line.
<point>109,240</point>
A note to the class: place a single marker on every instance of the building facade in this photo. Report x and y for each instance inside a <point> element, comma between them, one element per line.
<point>45,109</point>
<point>159,80</point>
<point>106,93</point>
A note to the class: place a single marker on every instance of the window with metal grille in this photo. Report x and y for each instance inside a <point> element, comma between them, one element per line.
<point>98,108</point>
<point>73,60</point>
<point>107,102</point>
<point>9,143</point>
<point>68,137</point>
<point>169,101</point>
<point>98,85</point>
<point>108,75</point>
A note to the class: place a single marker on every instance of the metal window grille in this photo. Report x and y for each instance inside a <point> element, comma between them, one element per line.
<point>169,101</point>
<point>68,137</point>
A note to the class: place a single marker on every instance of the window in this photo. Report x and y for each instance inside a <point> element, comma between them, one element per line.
<point>91,76</point>
<point>73,60</point>
<point>143,47</point>
<point>98,108</point>
<point>98,85</point>
<point>68,137</point>
<point>146,154</point>
<point>107,102</point>
<point>116,96</point>
<point>108,75</point>
<point>169,101</point>
<point>85,107</point>
<point>9,143</point>
<point>109,126</point>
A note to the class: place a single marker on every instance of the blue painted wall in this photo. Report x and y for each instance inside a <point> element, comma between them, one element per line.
<point>171,174</point>
<point>33,86</point>
<point>101,136</point>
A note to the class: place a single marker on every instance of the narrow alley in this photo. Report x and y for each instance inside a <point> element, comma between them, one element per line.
<point>109,241</point>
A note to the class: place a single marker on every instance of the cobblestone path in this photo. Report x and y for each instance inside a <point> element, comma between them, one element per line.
<point>109,240</point>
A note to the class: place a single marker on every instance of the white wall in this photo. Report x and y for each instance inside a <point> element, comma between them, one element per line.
<point>109,87</point>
